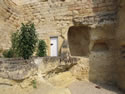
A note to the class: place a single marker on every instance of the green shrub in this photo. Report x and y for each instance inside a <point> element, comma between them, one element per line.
<point>1,50</point>
<point>23,42</point>
<point>14,41</point>
<point>12,52</point>
<point>27,40</point>
<point>8,53</point>
<point>33,82</point>
<point>41,52</point>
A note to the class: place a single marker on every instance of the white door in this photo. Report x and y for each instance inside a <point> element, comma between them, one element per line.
<point>54,46</point>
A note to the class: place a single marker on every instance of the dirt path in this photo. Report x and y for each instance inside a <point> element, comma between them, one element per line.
<point>80,87</point>
<point>77,87</point>
<point>42,88</point>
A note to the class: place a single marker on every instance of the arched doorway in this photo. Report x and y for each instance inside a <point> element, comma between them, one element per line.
<point>78,38</point>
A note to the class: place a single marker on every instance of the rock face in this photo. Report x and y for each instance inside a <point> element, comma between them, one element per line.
<point>16,69</point>
<point>54,18</point>
<point>121,45</point>
<point>92,29</point>
<point>81,70</point>
<point>48,68</point>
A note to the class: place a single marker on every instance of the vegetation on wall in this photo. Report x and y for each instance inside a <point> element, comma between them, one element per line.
<point>14,41</point>
<point>27,40</point>
<point>23,42</point>
<point>41,52</point>
<point>12,52</point>
<point>8,53</point>
<point>34,83</point>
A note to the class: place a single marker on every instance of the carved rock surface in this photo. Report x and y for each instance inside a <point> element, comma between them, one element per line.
<point>16,69</point>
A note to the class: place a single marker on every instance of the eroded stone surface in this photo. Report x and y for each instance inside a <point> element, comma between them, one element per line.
<point>17,69</point>
<point>105,42</point>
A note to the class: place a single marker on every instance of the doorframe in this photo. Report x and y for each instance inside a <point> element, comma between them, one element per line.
<point>57,45</point>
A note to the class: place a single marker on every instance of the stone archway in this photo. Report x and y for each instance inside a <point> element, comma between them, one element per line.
<point>78,38</point>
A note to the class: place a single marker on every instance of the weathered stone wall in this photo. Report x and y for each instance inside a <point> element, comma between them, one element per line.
<point>102,46</point>
<point>17,69</point>
<point>48,67</point>
<point>105,42</point>
<point>95,12</point>
<point>121,46</point>
<point>52,66</point>
<point>53,18</point>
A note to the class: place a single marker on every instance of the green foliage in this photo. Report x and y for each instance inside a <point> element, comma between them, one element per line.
<point>12,52</point>
<point>41,48</point>
<point>8,53</point>
<point>27,40</point>
<point>1,50</point>
<point>34,83</point>
<point>23,42</point>
<point>14,41</point>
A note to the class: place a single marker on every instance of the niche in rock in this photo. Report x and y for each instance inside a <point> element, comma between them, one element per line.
<point>100,46</point>
<point>123,51</point>
<point>78,39</point>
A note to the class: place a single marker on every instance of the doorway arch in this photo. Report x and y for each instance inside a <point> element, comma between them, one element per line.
<point>78,39</point>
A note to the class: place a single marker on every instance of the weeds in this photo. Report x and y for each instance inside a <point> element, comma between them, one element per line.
<point>33,82</point>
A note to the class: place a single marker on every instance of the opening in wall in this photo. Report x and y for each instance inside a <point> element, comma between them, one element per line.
<point>100,46</point>
<point>123,51</point>
<point>62,0</point>
<point>78,39</point>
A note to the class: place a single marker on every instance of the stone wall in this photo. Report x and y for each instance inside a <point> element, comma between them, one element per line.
<point>95,12</point>
<point>17,69</point>
<point>104,45</point>
<point>54,18</point>
<point>120,46</point>
<point>48,67</point>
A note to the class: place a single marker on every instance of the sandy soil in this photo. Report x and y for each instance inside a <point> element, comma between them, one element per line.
<point>77,87</point>
<point>81,87</point>
<point>42,88</point>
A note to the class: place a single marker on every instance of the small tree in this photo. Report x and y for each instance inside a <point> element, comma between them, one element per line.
<point>27,40</point>
<point>41,48</point>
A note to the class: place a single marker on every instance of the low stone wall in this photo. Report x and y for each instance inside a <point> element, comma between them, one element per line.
<point>51,66</point>
<point>81,68</point>
<point>16,69</point>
